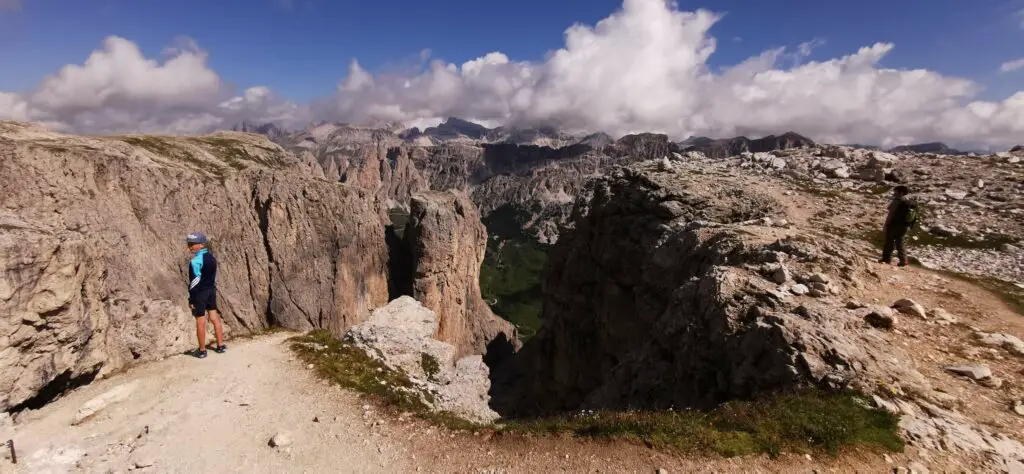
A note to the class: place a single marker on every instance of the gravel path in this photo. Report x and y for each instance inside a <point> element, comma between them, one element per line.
<point>185,415</point>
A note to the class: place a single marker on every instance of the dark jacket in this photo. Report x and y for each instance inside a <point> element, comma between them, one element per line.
<point>202,273</point>
<point>899,208</point>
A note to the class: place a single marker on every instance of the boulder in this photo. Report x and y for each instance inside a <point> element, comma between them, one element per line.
<point>943,316</point>
<point>882,318</point>
<point>281,439</point>
<point>400,335</point>
<point>910,307</point>
<point>974,372</point>
<point>956,194</point>
<point>1006,341</point>
<point>944,230</point>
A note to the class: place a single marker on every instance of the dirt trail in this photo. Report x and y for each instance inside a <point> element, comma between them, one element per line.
<point>217,415</point>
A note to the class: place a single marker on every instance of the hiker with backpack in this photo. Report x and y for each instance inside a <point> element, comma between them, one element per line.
<point>901,217</point>
<point>202,291</point>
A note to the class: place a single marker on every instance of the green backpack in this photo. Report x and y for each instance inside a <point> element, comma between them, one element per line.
<point>912,213</point>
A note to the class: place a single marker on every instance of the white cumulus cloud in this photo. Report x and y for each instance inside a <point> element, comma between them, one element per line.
<point>118,89</point>
<point>1011,66</point>
<point>643,68</point>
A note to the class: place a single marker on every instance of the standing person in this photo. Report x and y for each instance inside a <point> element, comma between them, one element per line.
<point>202,291</point>
<point>902,215</point>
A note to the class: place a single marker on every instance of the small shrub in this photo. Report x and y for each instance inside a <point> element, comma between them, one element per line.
<point>430,366</point>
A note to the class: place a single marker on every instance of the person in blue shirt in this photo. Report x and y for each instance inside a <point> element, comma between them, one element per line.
<point>202,291</point>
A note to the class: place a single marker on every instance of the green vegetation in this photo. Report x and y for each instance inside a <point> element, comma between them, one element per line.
<point>510,277</point>
<point>234,152</point>
<point>917,236</point>
<point>163,147</point>
<point>803,422</point>
<point>430,365</point>
<point>231,153</point>
<point>808,421</point>
<point>350,367</point>
<point>1009,293</point>
<point>398,217</point>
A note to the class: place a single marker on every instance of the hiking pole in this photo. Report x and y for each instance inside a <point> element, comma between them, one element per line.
<point>14,455</point>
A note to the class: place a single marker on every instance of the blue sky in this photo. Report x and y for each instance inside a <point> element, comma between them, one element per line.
<point>879,72</point>
<point>302,51</point>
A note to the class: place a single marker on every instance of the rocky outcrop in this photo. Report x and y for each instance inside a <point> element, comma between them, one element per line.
<point>727,147</point>
<point>447,242</point>
<point>666,294</point>
<point>933,147</point>
<point>94,264</point>
<point>400,335</point>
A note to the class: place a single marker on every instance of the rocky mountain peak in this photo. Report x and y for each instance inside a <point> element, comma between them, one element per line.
<point>454,127</point>
<point>938,148</point>
<point>268,129</point>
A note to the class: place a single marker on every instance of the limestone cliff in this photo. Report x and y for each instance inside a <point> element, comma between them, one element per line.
<point>667,293</point>
<point>93,260</point>
<point>447,243</point>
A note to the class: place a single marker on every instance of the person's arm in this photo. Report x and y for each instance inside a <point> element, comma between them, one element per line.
<point>197,272</point>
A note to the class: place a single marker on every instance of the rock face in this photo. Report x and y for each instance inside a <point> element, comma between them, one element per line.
<point>400,335</point>
<point>664,296</point>
<point>94,266</point>
<point>723,148</point>
<point>447,243</point>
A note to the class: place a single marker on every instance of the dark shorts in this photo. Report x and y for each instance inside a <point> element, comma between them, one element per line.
<point>204,301</point>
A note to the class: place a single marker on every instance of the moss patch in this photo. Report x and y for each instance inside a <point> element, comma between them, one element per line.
<point>350,367</point>
<point>801,422</point>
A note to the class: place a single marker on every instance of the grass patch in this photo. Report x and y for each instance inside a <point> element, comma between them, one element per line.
<point>163,147</point>
<point>918,237</point>
<point>350,367</point>
<point>808,421</point>
<point>234,152</point>
<point>801,422</point>
<point>510,277</point>
<point>1007,292</point>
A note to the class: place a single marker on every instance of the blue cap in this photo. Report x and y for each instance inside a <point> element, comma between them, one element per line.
<point>196,238</point>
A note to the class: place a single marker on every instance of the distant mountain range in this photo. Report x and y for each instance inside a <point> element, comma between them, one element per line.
<point>726,147</point>
<point>933,147</point>
<point>455,129</point>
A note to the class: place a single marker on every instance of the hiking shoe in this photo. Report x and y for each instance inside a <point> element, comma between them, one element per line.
<point>901,264</point>
<point>200,354</point>
<point>220,349</point>
<point>882,260</point>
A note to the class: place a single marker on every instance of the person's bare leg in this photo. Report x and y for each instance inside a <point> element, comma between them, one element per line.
<point>218,328</point>
<point>201,332</point>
